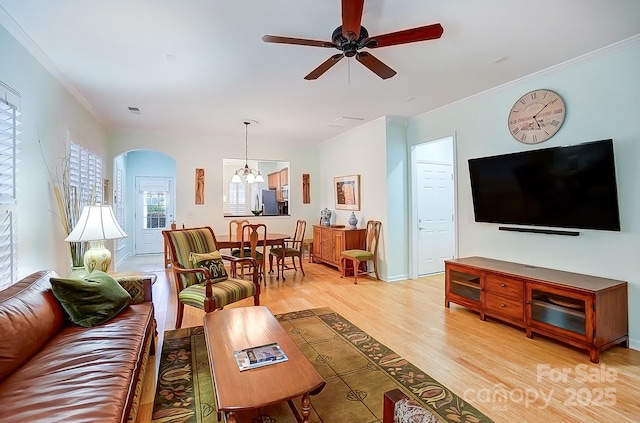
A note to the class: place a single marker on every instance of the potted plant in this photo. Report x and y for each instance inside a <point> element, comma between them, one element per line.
<point>69,204</point>
<point>257,209</point>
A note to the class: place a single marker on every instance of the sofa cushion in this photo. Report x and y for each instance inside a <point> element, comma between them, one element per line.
<point>29,316</point>
<point>91,300</point>
<point>82,374</point>
<point>213,262</point>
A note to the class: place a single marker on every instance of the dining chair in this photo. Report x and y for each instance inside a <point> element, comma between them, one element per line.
<point>253,243</point>
<point>308,245</point>
<point>370,253</point>
<point>291,248</point>
<point>235,228</point>
<point>202,281</point>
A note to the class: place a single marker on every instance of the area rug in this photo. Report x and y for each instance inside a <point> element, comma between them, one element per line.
<point>358,370</point>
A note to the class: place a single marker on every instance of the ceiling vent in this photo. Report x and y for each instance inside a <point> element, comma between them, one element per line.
<point>346,122</point>
<point>134,109</point>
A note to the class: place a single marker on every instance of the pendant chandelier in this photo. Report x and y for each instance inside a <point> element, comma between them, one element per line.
<point>247,174</point>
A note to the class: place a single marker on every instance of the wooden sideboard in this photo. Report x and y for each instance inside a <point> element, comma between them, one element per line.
<point>585,311</point>
<point>329,242</point>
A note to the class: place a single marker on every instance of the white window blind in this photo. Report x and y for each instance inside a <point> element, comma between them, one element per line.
<point>118,202</point>
<point>85,175</point>
<point>238,199</point>
<point>8,140</point>
<point>9,134</point>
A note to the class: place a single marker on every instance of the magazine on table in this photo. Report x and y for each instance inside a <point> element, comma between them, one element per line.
<point>263,355</point>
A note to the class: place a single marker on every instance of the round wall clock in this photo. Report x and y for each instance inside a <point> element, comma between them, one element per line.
<point>536,116</point>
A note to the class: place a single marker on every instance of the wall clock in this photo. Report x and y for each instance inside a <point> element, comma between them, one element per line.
<point>536,116</point>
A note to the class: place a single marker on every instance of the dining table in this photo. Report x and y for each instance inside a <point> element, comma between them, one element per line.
<point>226,241</point>
<point>273,239</point>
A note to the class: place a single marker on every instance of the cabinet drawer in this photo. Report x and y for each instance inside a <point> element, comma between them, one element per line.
<point>327,238</point>
<point>505,286</point>
<point>327,252</point>
<point>505,306</point>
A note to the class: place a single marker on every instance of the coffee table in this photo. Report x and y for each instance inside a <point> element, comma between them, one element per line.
<point>234,329</point>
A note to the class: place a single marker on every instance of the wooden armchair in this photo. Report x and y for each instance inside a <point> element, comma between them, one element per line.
<point>253,243</point>
<point>213,292</point>
<point>397,407</point>
<point>370,253</point>
<point>291,248</point>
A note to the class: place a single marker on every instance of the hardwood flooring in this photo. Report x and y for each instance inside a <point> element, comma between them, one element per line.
<point>494,366</point>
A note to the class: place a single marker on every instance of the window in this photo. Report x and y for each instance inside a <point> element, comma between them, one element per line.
<point>155,210</point>
<point>9,122</point>
<point>85,175</point>
<point>238,204</point>
<point>118,202</point>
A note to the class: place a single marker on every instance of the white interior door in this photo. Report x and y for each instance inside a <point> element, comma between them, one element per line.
<point>154,212</point>
<point>435,216</point>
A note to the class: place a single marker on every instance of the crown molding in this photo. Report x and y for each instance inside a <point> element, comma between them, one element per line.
<point>15,30</point>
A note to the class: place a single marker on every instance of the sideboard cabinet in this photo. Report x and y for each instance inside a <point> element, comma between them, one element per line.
<point>329,242</point>
<point>588,312</point>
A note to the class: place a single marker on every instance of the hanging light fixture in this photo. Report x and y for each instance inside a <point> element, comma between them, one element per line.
<point>246,174</point>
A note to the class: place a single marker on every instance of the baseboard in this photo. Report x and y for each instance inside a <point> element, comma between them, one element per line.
<point>397,278</point>
<point>634,344</point>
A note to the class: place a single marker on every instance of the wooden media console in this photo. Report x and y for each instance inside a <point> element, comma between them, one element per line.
<point>588,312</point>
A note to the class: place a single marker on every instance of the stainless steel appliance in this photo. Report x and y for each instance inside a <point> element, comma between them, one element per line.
<point>269,203</point>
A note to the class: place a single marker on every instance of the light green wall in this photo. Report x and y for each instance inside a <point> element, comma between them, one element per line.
<point>397,228</point>
<point>49,113</point>
<point>601,92</point>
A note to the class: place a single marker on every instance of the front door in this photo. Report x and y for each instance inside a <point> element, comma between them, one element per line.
<point>435,216</point>
<point>154,212</point>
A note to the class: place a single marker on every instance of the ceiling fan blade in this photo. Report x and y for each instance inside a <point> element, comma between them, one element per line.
<point>422,33</point>
<point>325,66</point>
<point>296,41</point>
<point>375,65</point>
<point>351,18</point>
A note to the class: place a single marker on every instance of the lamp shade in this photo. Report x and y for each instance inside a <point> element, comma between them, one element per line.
<point>96,223</point>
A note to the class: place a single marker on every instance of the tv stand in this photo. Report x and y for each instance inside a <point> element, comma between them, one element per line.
<point>588,312</point>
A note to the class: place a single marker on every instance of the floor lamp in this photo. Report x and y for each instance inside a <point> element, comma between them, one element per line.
<point>96,224</point>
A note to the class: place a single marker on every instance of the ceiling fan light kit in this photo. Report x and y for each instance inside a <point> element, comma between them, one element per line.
<point>351,37</point>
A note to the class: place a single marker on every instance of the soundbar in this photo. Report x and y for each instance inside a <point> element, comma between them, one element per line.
<point>539,231</point>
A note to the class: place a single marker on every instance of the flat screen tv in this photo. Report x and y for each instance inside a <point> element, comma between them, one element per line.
<point>567,187</point>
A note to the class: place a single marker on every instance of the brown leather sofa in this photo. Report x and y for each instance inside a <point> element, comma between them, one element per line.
<point>52,370</point>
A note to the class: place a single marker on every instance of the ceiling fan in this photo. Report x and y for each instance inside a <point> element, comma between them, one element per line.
<point>351,37</point>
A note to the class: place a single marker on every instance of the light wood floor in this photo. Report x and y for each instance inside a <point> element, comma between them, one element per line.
<point>495,367</point>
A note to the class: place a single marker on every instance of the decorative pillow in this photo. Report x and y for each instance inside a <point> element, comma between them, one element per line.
<point>213,262</point>
<point>91,300</point>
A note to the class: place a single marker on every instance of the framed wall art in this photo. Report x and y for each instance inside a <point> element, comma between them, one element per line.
<point>347,192</point>
<point>199,186</point>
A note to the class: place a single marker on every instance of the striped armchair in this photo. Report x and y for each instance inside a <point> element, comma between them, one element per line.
<point>206,295</point>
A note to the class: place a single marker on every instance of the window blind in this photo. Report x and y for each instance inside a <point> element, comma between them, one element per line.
<point>238,199</point>
<point>85,175</point>
<point>8,139</point>
<point>9,135</point>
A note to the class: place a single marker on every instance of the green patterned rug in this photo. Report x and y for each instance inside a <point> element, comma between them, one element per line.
<point>358,370</point>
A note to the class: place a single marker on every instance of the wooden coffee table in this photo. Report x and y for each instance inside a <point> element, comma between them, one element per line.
<point>237,328</point>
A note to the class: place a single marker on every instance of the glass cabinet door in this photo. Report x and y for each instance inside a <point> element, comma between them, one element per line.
<point>558,309</point>
<point>465,285</point>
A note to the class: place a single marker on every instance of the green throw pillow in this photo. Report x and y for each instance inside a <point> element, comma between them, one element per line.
<point>91,300</point>
<point>213,262</point>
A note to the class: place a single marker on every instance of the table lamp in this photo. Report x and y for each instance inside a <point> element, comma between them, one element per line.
<point>96,224</point>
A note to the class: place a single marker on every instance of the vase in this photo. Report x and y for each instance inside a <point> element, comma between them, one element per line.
<point>325,217</point>
<point>78,272</point>
<point>353,221</point>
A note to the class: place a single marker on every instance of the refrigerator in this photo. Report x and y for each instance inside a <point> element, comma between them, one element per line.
<point>269,203</point>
